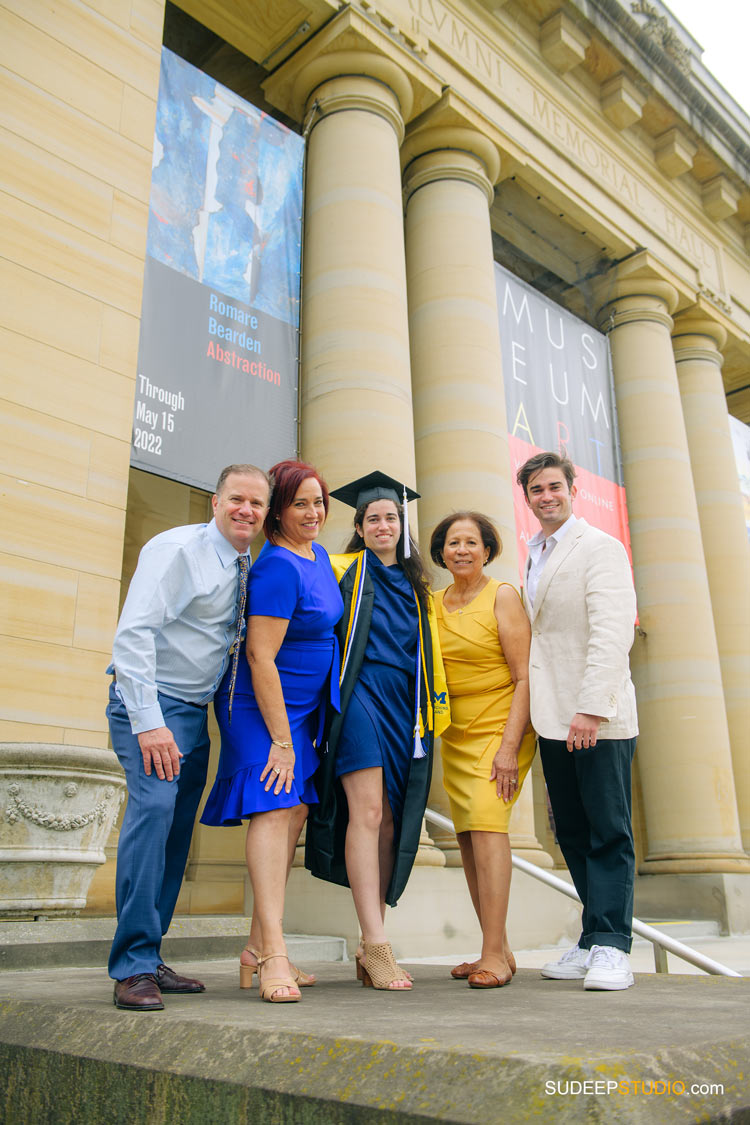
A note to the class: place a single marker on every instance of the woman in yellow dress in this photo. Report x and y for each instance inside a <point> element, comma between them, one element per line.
<point>488,748</point>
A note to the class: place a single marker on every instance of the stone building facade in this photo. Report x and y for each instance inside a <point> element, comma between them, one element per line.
<point>583,146</point>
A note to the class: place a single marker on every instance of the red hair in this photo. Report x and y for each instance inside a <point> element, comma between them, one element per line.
<point>286,478</point>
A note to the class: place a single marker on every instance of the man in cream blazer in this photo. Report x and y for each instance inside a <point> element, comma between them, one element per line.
<point>579,596</point>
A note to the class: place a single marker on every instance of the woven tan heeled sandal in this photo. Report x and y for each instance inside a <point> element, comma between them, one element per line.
<point>359,954</point>
<point>377,968</point>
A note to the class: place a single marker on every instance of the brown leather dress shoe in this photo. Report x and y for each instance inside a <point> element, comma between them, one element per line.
<point>139,993</point>
<point>169,981</point>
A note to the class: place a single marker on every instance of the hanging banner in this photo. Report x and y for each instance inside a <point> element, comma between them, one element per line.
<point>559,396</point>
<point>217,360</point>
<point>740,432</point>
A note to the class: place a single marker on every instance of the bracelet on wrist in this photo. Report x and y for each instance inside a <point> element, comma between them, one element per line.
<point>283,745</point>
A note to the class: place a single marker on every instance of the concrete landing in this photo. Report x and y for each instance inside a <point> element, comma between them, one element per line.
<point>671,1049</point>
<point>70,942</point>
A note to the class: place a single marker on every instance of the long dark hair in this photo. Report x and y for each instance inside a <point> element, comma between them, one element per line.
<point>413,567</point>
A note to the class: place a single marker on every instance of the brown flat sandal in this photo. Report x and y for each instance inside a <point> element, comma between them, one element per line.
<point>485,978</point>
<point>464,970</point>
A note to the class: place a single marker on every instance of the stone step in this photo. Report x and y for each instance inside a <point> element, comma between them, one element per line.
<point>672,1050</point>
<point>683,930</point>
<point>85,942</point>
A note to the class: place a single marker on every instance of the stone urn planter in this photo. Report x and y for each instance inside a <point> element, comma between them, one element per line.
<point>58,805</point>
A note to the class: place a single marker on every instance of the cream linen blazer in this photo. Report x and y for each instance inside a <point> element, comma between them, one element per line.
<point>582,629</point>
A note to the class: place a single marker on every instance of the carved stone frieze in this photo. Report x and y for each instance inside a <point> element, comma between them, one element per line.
<point>715,298</point>
<point>659,29</point>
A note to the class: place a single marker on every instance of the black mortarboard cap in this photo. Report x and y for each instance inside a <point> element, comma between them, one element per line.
<point>374,486</point>
<point>379,486</point>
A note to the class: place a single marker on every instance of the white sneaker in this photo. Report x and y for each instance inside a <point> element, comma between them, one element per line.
<point>571,966</point>
<point>608,968</point>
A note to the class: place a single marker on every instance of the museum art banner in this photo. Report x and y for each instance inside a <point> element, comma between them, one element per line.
<point>559,395</point>
<point>217,362</point>
<point>740,432</point>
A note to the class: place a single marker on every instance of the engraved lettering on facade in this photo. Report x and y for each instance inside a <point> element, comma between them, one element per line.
<point>477,57</point>
<point>457,37</point>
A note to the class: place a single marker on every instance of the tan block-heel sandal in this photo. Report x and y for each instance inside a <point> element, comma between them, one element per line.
<point>269,987</point>
<point>247,972</point>
<point>301,978</point>
<point>377,968</point>
<point>359,954</point>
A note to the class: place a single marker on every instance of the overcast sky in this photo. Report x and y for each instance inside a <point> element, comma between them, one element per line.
<point>722,27</point>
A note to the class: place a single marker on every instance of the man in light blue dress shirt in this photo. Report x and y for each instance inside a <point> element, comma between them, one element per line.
<point>170,652</point>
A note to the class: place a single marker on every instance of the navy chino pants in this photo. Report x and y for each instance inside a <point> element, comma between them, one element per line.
<point>155,834</point>
<point>590,793</point>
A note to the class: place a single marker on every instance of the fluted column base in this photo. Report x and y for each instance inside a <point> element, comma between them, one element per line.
<point>696,863</point>
<point>427,854</point>
<point>705,896</point>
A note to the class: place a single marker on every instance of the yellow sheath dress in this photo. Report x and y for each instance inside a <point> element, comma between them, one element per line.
<point>481,690</point>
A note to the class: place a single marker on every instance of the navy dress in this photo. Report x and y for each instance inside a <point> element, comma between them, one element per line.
<point>306,594</point>
<point>378,728</point>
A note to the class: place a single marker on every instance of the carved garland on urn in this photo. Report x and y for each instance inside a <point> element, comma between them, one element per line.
<point>19,808</point>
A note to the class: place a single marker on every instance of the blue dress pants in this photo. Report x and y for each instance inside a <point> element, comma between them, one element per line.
<point>590,794</point>
<point>155,834</point>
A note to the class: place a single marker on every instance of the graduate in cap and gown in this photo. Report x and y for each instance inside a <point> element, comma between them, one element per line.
<point>376,764</point>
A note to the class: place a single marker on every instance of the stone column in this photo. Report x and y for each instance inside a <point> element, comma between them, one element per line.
<point>353,86</point>
<point>697,339</point>
<point>356,409</point>
<point>683,751</point>
<point>460,425</point>
<point>451,163</point>
<point>523,837</point>
<point>356,392</point>
<point>443,838</point>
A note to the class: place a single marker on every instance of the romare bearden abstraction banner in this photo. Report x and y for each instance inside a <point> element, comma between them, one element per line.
<point>559,395</point>
<point>217,361</point>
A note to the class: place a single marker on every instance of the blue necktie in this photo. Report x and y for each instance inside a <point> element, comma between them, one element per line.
<point>244,568</point>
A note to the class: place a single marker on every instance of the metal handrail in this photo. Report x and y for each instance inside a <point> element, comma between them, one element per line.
<point>662,943</point>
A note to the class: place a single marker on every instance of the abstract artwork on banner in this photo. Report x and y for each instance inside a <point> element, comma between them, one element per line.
<point>559,396</point>
<point>217,361</point>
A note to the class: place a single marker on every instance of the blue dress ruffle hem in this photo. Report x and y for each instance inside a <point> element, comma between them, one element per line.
<point>304,592</point>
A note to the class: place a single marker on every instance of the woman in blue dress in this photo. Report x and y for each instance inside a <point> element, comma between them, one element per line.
<point>375,772</point>
<point>272,718</point>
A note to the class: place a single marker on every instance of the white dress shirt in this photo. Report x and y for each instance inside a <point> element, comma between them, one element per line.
<point>540,548</point>
<point>178,622</point>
